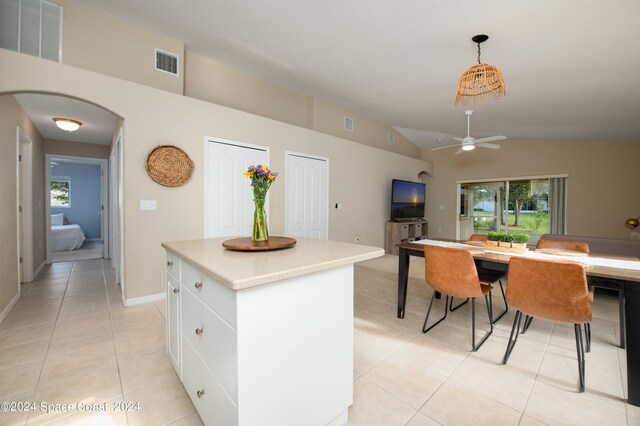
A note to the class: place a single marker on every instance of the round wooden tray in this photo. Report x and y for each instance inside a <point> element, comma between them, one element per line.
<point>247,244</point>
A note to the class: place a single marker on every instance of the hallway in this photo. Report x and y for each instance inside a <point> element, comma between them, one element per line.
<point>69,340</point>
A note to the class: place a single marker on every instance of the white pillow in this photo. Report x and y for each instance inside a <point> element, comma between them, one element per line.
<point>57,219</point>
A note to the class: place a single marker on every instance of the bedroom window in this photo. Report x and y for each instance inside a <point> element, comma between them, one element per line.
<point>60,190</point>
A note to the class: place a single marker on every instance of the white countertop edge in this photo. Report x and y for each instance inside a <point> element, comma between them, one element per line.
<point>249,282</point>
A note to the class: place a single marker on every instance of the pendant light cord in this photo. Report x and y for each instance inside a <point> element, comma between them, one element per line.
<point>479,53</point>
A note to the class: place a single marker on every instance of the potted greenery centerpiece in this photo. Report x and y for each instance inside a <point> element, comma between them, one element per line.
<point>492,239</point>
<point>504,240</point>
<point>519,241</point>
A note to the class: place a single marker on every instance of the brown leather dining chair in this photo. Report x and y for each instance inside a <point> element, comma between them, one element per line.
<point>452,272</point>
<point>487,275</point>
<point>577,246</point>
<point>584,248</point>
<point>555,291</point>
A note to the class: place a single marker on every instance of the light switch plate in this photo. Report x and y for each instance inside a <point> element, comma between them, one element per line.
<point>148,205</point>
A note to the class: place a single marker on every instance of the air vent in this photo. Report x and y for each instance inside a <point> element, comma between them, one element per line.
<point>166,62</point>
<point>391,138</point>
<point>348,124</point>
<point>33,27</point>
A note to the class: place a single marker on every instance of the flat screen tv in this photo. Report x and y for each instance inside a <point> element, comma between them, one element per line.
<point>407,200</point>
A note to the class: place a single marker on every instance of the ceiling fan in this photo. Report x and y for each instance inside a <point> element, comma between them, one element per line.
<point>469,143</point>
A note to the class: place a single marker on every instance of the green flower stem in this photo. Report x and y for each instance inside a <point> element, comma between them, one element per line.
<point>260,231</point>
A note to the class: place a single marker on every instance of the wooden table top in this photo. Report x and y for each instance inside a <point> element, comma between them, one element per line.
<point>595,271</point>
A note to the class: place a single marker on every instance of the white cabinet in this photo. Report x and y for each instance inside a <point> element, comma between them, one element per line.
<point>275,354</point>
<point>201,340</point>
<point>173,311</point>
<point>173,322</point>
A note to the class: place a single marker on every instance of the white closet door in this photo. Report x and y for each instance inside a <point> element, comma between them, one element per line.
<point>228,198</point>
<point>307,196</point>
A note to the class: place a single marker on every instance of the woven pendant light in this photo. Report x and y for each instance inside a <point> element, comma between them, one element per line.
<point>480,81</point>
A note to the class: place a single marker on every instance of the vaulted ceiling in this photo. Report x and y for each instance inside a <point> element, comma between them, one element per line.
<point>571,67</point>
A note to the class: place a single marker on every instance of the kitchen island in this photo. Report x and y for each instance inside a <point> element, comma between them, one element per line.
<point>264,338</point>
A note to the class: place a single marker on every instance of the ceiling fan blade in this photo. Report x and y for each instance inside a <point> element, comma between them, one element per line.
<point>443,147</point>
<point>457,139</point>
<point>490,138</point>
<point>460,151</point>
<point>488,145</point>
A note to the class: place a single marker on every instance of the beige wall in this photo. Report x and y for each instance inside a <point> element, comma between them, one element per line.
<point>603,188</point>
<point>11,116</point>
<point>224,85</point>
<point>76,149</point>
<point>328,118</point>
<point>101,43</point>
<point>359,174</point>
<point>221,84</point>
<point>98,42</point>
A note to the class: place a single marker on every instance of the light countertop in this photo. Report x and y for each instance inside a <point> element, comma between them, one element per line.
<point>241,270</point>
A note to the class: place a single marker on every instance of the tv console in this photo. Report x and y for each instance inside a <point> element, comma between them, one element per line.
<point>403,232</point>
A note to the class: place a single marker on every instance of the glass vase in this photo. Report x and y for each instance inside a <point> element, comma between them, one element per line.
<point>260,231</point>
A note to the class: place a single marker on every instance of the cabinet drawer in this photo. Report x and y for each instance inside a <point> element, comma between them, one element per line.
<point>173,265</point>
<point>217,296</point>
<point>191,277</point>
<point>417,230</point>
<point>213,405</point>
<point>212,338</point>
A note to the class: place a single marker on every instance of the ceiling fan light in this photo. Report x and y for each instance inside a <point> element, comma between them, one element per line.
<point>468,147</point>
<point>67,124</point>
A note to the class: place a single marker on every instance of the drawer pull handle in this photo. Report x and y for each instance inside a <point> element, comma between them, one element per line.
<point>200,393</point>
<point>176,290</point>
<point>169,263</point>
<point>198,285</point>
<point>199,331</point>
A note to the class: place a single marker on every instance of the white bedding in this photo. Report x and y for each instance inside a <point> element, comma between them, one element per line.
<point>66,237</point>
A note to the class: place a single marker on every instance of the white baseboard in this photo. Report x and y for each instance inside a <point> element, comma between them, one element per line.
<point>145,299</point>
<point>37,271</point>
<point>6,310</point>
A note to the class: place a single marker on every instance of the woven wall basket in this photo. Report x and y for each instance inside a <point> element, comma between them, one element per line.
<point>168,165</point>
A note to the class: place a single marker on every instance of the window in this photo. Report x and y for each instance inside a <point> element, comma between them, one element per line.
<point>33,27</point>
<point>510,205</point>
<point>60,191</point>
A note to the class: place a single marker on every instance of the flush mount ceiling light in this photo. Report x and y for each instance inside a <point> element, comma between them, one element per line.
<point>67,124</point>
<point>480,81</point>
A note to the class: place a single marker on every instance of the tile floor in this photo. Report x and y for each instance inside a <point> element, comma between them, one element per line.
<point>68,340</point>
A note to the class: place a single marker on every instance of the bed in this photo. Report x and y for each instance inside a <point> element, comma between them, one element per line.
<point>65,237</point>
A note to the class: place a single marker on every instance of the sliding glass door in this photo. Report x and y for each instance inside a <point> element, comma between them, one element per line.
<point>481,208</point>
<point>511,206</point>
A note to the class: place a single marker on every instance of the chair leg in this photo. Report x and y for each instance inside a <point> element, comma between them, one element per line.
<point>587,336</point>
<point>424,326</point>
<point>621,314</point>
<point>527,323</point>
<point>487,299</point>
<point>513,337</point>
<point>580,351</point>
<point>506,307</point>
<point>451,308</point>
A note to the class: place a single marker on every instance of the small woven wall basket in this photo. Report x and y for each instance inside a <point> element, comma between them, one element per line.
<point>168,165</point>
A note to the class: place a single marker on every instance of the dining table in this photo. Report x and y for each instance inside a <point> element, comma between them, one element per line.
<point>602,270</point>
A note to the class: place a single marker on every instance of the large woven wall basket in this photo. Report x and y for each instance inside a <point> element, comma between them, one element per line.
<point>168,165</point>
